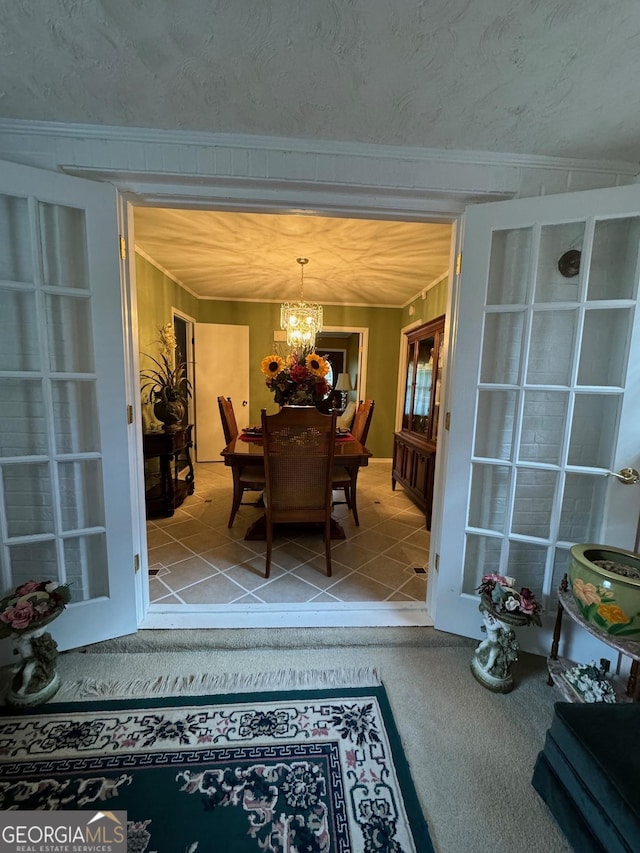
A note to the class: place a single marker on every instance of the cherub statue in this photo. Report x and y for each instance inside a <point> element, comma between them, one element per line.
<point>38,667</point>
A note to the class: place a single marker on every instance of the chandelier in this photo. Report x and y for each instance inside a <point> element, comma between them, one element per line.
<point>302,320</point>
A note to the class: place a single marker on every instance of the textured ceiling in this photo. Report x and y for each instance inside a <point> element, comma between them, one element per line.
<point>537,77</point>
<point>554,77</point>
<point>253,255</point>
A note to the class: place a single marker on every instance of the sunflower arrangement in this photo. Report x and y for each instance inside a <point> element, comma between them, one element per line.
<point>298,379</point>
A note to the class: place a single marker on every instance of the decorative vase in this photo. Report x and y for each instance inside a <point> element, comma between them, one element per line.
<point>35,678</point>
<point>491,663</point>
<point>170,413</point>
<point>605,583</point>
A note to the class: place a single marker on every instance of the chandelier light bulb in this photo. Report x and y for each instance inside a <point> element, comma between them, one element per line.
<point>301,320</point>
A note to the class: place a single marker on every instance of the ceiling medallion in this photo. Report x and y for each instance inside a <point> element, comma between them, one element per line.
<point>301,320</point>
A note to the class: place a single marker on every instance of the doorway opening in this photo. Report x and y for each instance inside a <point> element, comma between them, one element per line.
<point>354,337</point>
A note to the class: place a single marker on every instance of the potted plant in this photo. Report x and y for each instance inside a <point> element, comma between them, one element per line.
<point>166,385</point>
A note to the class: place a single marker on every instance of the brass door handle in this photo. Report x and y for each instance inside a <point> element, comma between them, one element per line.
<point>627,476</point>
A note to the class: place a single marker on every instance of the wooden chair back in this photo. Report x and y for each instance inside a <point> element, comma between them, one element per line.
<point>299,445</point>
<point>228,418</point>
<point>362,421</point>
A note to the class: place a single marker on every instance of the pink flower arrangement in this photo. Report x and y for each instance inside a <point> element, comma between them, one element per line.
<point>31,605</point>
<point>499,595</point>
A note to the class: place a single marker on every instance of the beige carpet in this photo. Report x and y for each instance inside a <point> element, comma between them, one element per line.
<point>471,751</point>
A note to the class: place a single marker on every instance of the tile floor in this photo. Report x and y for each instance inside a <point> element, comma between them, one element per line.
<point>194,558</point>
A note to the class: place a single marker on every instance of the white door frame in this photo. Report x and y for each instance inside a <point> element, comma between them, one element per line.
<point>188,356</point>
<point>363,354</point>
<point>448,210</point>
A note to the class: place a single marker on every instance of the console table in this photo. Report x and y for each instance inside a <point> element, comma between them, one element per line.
<point>166,490</point>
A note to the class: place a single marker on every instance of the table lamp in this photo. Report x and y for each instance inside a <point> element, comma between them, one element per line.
<point>343,385</point>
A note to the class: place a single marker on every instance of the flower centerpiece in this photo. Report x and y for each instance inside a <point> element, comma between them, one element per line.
<point>298,379</point>
<point>31,606</point>
<point>166,384</point>
<point>502,600</point>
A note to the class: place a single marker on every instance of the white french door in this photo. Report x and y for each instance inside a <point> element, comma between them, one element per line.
<point>65,489</point>
<point>545,397</point>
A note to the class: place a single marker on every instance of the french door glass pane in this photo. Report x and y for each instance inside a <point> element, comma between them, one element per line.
<point>510,256</point>
<point>614,259</point>
<point>526,564</point>
<point>28,497</point>
<point>582,507</point>
<point>501,348</point>
<point>489,496</point>
<point>16,257</point>
<point>69,333</point>
<point>64,252</point>
<point>552,339</point>
<point>19,340</point>
<point>81,494</point>
<point>494,427</point>
<point>22,420</point>
<point>543,421</point>
<point>33,561</point>
<point>594,422</point>
<point>551,284</point>
<point>533,502</point>
<point>75,416</point>
<point>603,356</point>
<point>85,559</point>
<point>482,556</point>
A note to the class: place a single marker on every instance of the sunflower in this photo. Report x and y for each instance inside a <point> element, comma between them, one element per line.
<point>272,365</point>
<point>316,365</point>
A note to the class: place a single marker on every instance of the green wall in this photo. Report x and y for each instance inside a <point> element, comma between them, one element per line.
<point>156,294</point>
<point>434,305</point>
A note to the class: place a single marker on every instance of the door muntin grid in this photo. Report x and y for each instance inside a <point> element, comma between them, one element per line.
<point>52,519</point>
<point>552,371</point>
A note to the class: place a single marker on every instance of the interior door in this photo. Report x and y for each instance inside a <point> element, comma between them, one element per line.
<point>65,486</point>
<point>545,396</point>
<point>217,348</point>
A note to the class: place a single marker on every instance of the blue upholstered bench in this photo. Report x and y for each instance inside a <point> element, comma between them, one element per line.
<point>588,774</point>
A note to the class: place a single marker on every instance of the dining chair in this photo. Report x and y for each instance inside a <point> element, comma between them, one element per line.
<point>299,446</point>
<point>345,479</point>
<point>346,418</point>
<point>245,478</point>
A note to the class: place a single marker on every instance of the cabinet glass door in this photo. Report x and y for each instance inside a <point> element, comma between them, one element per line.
<point>423,384</point>
<point>409,387</point>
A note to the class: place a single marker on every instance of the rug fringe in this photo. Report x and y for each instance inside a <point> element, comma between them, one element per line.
<point>194,685</point>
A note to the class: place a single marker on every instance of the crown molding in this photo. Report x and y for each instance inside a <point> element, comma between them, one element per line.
<point>310,146</point>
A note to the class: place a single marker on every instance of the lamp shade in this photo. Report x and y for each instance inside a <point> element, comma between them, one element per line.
<point>344,382</point>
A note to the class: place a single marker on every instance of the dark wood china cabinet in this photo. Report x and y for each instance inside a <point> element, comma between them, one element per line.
<point>414,447</point>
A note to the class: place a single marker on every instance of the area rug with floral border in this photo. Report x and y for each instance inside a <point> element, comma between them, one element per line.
<point>301,771</point>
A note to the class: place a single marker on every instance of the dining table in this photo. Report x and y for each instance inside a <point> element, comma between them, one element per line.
<point>246,450</point>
